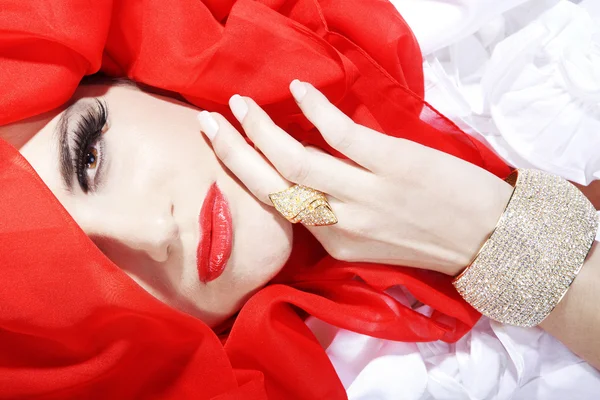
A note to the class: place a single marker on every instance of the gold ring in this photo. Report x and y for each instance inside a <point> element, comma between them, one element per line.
<point>305,205</point>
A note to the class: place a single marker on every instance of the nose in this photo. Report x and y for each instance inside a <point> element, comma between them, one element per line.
<point>157,240</point>
<point>150,232</point>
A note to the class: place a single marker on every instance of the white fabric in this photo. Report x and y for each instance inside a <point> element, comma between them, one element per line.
<point>493,361</point>
<point>527,83</point>
<point>438,23</point>
<point>523,76</point>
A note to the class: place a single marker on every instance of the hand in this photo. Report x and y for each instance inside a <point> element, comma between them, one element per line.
<point>397,202</point>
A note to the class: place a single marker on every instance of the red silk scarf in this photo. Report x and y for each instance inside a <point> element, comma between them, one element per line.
<point>74,326</point>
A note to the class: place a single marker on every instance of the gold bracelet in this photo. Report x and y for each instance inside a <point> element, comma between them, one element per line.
<point>535,252</point>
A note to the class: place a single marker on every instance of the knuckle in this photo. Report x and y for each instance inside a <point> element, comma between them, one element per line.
<point>339,132</point>
<point>342,139</point>
<point>254,125</point>
<point>312,108</point>
<point>398,155</point>
<point>337,128</point>
<point>297,168</point>
<point>222,148</point>
<point>341,252</point>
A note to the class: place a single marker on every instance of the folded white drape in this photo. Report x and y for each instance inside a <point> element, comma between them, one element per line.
<point>524,77</point>
<point>440,23</point>
<point>527,82</point>
<point>493,361</point>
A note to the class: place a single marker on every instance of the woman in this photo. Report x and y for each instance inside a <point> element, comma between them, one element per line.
<point>246,378</point>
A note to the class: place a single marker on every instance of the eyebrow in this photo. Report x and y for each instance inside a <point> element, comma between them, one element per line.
<point>65,161</point>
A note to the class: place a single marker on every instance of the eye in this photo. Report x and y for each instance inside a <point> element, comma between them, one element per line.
<point>92,161</point>
<point>91,158</point>
<point>89,145</point>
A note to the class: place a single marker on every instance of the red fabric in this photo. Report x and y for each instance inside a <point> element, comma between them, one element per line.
<point>73,326</point>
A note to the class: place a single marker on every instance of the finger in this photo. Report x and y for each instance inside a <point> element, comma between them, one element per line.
<point>349,179</point>
<point>317,170</point>
<point>356,142</point>
<point>240,158</point>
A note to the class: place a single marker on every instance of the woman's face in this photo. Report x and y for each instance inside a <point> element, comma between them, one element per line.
<point>134,171</point>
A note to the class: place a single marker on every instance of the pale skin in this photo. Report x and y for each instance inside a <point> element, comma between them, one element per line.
<point>436,219</point>
<point>152,170</point>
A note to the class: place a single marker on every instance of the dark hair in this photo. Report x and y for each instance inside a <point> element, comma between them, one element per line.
<point>103,79</point>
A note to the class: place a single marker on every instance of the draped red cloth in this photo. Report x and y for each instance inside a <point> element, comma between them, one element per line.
<point>74,326</point>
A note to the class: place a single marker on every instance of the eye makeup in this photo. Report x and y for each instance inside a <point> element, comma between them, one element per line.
<point>88,144</point>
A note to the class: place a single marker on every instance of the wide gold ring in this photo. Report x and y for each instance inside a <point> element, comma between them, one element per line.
<point>305,205</point>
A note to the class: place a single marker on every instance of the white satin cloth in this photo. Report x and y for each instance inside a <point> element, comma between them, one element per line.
<point>493,361</point>
<point>526,81</point>
<point>524,77</point>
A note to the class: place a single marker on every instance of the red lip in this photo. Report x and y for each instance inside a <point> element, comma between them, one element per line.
<point>214,247</point>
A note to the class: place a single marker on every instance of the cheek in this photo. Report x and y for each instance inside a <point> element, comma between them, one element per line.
<point>160,131</point>
<point>273,246</point>
<point>153,155</point>
<point>264,241</point>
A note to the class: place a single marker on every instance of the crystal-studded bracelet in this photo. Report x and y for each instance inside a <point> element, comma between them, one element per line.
<point>535,252</point>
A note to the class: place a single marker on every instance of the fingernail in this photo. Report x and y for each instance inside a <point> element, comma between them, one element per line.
<point>298,90</point>
<point>208,125</point>
<point>238,106</point>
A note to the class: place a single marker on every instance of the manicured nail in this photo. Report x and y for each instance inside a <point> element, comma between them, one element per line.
<point>208,125</point>
<point>298,90</point>
<point>238,106</point>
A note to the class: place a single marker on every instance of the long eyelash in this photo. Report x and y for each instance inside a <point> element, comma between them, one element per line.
<point>88,131</point>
